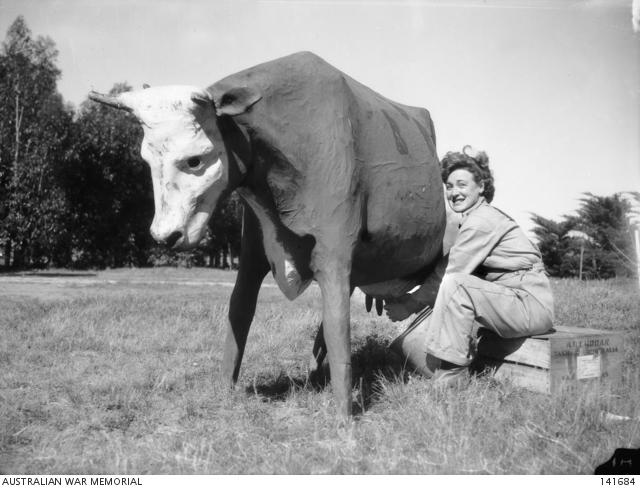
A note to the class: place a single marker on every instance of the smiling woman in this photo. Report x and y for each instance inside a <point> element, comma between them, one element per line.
<point>494,277</point>
<point>467,178</point>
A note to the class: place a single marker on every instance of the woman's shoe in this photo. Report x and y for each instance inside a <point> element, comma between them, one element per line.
<point>452,378</point>
<point>448,375</point>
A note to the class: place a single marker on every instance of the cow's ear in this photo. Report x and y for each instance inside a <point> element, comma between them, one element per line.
<point>236,101</point>
<point>202,98</point>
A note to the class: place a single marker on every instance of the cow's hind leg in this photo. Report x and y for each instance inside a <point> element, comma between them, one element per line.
<point>319,351</point>
<point>253,268</point>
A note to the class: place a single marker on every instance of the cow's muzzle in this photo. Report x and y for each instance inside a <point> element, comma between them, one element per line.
<point>172,240</point>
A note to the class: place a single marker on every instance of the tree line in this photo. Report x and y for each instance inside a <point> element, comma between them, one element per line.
<point>75,193</point>
<point>596,242</point>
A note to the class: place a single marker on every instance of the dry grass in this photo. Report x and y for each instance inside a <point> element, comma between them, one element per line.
<point>120,377</point>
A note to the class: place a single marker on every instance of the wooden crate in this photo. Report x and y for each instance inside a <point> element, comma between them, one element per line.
<point>561,359</point>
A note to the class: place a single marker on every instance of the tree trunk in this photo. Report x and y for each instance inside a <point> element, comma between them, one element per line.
<point>18,124</point>
<point>581,256</point>
<point>230,256</point>
<point>7,253</point>
<point>18,259</point>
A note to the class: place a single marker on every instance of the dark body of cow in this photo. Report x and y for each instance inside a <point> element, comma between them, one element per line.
<point>342,182</point>
<point>342,185</point>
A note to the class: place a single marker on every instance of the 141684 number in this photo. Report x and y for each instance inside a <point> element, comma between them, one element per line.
<point>617,481</point>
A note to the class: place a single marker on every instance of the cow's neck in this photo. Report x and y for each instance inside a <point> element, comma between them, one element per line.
<point>269,184</point>
<point>237,148</point>
<point>288,253</point>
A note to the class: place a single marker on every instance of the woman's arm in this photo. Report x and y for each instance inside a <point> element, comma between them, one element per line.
<point>473,245</point>
<point>479,234</point>
<point>408,304</point>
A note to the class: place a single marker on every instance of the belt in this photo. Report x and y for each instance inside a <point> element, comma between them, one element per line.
<point>496,273</point>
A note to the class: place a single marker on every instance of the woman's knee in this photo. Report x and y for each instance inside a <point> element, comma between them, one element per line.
<point>540,322</point>
<point>452,281</point>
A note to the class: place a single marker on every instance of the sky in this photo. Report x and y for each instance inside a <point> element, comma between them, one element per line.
<point>550,89</point>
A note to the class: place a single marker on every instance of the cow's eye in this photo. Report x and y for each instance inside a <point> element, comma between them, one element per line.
<point>194,162</point>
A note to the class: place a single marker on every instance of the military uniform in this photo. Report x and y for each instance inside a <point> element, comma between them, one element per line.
<point>494,279</point>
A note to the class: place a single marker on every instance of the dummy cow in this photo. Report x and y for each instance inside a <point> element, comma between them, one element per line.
<point>340,185</point>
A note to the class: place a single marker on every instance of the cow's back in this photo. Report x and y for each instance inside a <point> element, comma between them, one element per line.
<point>396,165</point>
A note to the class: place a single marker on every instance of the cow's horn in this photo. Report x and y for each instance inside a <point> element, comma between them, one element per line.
<point>109,100</point>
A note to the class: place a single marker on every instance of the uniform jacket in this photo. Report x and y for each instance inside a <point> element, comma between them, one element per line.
<point>492,246</point>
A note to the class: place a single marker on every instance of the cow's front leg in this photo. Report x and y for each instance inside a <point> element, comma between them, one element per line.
<point>242,306</point>
<point>333,278</point>
<point>319,351</point>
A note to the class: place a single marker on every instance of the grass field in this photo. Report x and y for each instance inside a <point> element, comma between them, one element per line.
<point>115,372</point>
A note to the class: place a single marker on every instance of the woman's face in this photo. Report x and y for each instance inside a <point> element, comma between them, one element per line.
<point>462,190</point>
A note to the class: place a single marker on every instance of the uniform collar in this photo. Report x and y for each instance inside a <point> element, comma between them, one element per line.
<point>465,214</point>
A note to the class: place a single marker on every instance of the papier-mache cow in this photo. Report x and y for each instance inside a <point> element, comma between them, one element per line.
<point>340,185</point>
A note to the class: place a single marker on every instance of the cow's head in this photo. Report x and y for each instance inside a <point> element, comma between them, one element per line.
<point>184,147</point>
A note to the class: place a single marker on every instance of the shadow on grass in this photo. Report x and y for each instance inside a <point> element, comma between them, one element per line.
<point>371,363</point>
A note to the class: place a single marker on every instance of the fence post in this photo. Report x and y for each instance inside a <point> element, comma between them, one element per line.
<point>633,215</point>
<point>637,236</point>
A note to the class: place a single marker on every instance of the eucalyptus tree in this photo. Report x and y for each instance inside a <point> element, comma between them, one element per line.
<point>34,131</point>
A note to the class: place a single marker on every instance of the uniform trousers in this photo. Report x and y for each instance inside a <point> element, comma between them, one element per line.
<point>508,307</point>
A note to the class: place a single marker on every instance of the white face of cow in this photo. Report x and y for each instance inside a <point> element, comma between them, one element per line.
<point>184,149</point>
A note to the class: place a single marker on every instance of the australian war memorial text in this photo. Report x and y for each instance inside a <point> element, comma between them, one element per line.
<point>70,481</point>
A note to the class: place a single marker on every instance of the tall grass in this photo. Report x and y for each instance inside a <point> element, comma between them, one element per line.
<point>123,378</point>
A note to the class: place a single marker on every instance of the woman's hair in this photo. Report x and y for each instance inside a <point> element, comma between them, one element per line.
<point>476,163</point>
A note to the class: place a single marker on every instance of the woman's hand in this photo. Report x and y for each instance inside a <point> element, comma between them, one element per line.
<point>401,308</point>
